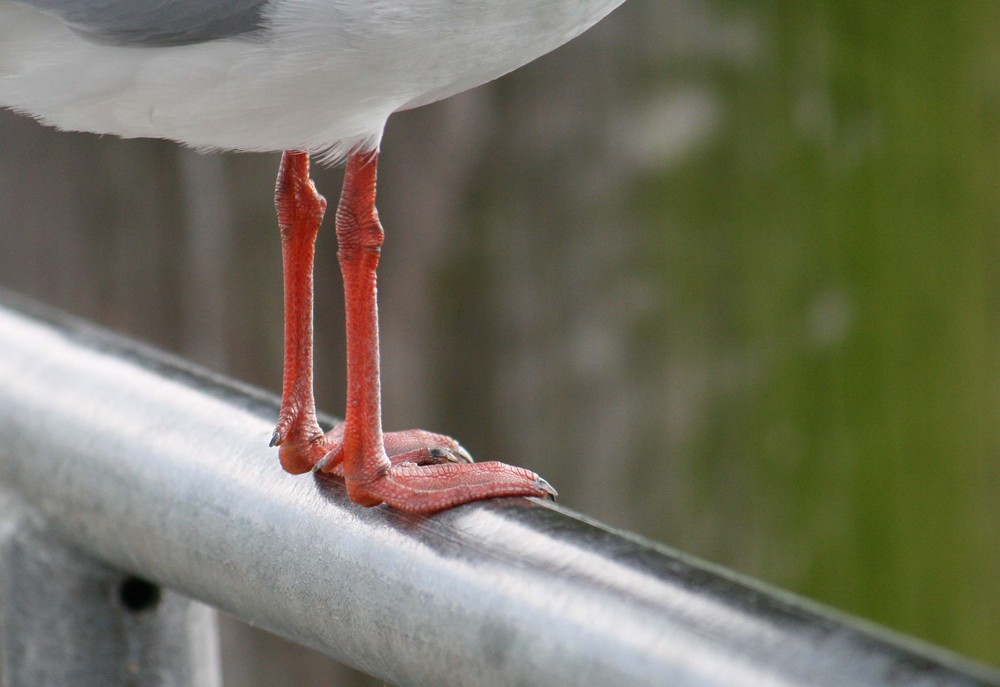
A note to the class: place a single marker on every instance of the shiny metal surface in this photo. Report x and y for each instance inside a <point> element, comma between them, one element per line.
<point>163,471</point>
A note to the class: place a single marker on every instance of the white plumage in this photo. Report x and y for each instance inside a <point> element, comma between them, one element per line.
<point>320,76</point>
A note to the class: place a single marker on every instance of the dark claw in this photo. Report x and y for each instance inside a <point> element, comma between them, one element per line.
<point>324,463</point>
<point>275,439</point>
<point>462,455</point>
<point>550,492</point>
<point>444,455</point>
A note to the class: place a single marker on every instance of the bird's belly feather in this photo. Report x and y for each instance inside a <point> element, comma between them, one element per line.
<point>324,78</point>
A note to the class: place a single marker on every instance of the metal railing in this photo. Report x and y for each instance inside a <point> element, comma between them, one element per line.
<point>117,461</point>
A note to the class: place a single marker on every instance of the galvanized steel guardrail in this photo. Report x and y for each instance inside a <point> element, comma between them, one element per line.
<point>125,473</point>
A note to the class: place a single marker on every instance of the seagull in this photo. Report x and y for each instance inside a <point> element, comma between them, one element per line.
<point>309,78</point>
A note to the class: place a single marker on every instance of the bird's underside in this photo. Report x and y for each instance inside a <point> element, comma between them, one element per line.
<point>264,75</point>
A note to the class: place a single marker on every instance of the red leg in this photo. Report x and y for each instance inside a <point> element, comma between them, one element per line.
<point>414,471</point>
<point>371,477</point>
<point>302,443</point>
<point>300,212</point>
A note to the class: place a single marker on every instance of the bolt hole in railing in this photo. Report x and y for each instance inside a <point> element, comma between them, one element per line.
<point>138,595</point>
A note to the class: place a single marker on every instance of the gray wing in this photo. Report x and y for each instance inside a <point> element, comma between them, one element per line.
<point>156,22</point>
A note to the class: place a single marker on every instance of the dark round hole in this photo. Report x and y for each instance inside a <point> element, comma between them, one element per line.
<point>138,595</point>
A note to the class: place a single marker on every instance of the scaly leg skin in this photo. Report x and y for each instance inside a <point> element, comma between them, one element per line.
<point>303,444</point>
<point>414,471</point>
